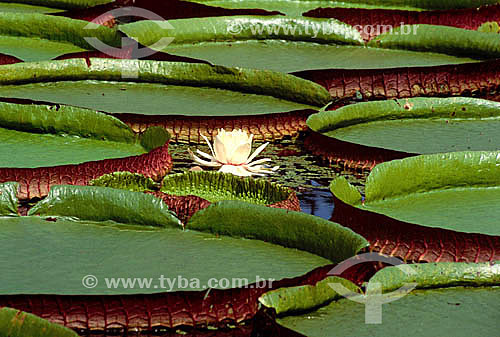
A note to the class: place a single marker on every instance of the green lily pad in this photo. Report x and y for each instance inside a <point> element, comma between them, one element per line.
<point>297,7</point>
<point>412,313</point>
<point>162,88</point>
<point>102,203</point>
<point>25,8</point>
<point>440,274</point>
<point>126,181</point>
<point>35,37</point>
<point>277,43</point>
<point>445,190</point>
<point>8,198</point>
<point>78,249</point>
<point>415,125</point>
<point>16,323</point>
<point>48,136</point>
<point>461,312</point>
<point>283,227</point>
<point>63,4</point>
<point>292,300</point>
<point>440,39</point>
<point>215,186</point>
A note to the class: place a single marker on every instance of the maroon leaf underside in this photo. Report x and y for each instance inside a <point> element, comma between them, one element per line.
<point>36,182</point>
<point>217,308</point>
<point>7,59</point>
<point>350,156</point>
<point>473,79</point>
<point>364,19</point>
<point>416,243</point>
<point>189,129</point>
<point>185,206</point>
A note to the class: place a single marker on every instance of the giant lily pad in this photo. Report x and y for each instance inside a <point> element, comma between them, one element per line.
<point>35,37</point>
<point>457,309</point>
<point>102,204</point>
<point>136,252</point>
<point>25,8</point>
<point>8,198</point>
<point>297,7</point>
<point>63,4</point>
<point>277,43</point>
<point>415,125</point>
<point>283,227</point>
<point>50,140</point>
<point>215,186</point>
<point>165,89</point>
<point>15,323</point>
<point>449,190</point>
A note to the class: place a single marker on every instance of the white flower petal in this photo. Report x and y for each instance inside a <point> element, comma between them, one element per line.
<point>236,170</point>
<point>205,155</point>
<point>240,154</point>
<point>260,161</point>
<point>257,152</point>
<point>209,145</point>
<point>201,161</point>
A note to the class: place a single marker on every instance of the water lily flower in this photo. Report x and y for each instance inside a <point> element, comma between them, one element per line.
<point>231,152</point>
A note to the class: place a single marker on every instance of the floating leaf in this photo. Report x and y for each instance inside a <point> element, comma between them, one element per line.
<point>283,227</point>
<point>15,323</point>
<point>126,181</point>
<point>415,125</point>
<point>102,203</point>
<point>8,198</point>
<point>447,190</point>
<point>35,37</point>
<point>281,43</point>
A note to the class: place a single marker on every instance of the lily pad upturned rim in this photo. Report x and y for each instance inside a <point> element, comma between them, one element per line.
<point>240,28</point>
<point>263,82</point>
<point>8,198</point>
<point>61,34</point>
<point>297,7</point>
<point>279,226</point>
<point>95,203</point>
<point>206,182</point>
<point>441,39</point>
<point>406,108</point>
<point>63,4</point>
<point>445,190</point>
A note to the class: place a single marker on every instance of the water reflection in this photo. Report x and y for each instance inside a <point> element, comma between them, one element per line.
<point>317,201</point>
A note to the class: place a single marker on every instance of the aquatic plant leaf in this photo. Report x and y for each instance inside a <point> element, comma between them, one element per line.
<point>126,181</point>
<point>373,22</point>
<point>22,36</point>
<point>108,249</point>
<point>95,203</point>
<point>298,299</point>
<point>282,44</point>
<point>8,198</point>
<point>460,311</point>
<point>290,229</point>
<point>7,7</point>
<point>440,39</point>
<point>446,190</point>
<point>216,186</point>
<point>246,81</point>
<point>438,275</point>
<point>63,4</point>
<point>15,323</point>
<point>415,125</point>
<point>301,6</point>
